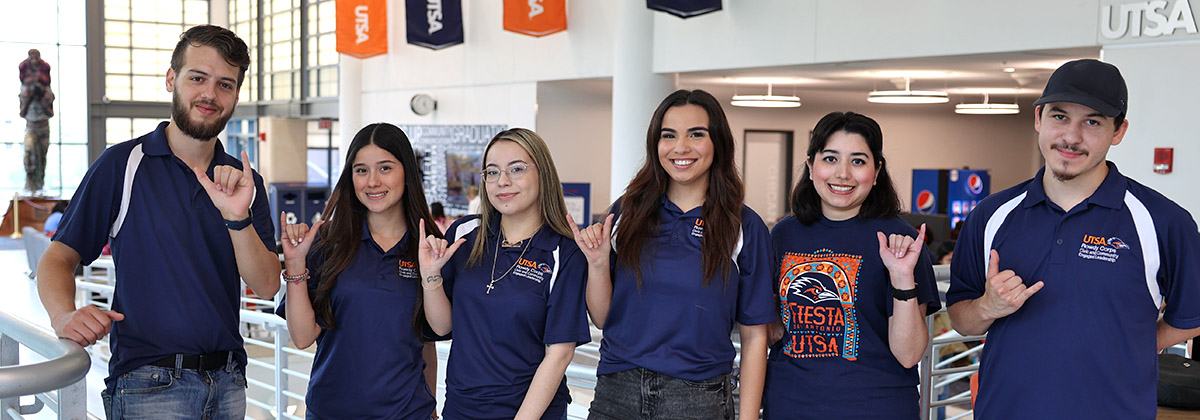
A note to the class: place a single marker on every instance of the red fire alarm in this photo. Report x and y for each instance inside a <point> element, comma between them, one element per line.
<point>1163,156</point>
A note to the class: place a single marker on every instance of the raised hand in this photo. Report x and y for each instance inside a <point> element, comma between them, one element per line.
<point>594,240</point>
<point>297,239</point>
<point>231,190</point>
<point>85,325</point>
<point>434,252</point>
<point>1004,292</point>
<point>900,252</point>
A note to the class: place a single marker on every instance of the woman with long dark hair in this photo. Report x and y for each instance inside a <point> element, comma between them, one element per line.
<point>854,285</point>
<point>515,300</point>
<point>685,262</point>
<point>353,287</point>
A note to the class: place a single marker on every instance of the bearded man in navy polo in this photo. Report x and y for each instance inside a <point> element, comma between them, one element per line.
<point>176,209</point>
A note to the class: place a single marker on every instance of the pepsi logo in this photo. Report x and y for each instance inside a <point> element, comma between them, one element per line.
<point>926,201</point>
<point>975,184</point>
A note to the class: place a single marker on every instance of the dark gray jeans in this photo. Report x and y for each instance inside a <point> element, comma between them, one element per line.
<point>644,394</point>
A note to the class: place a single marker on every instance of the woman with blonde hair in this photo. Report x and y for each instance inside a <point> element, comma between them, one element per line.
<point>515,300</point>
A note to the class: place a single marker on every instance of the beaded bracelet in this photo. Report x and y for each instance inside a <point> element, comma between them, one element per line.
<point>294,279</point>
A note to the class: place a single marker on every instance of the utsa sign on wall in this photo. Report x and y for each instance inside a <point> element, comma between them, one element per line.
<point>535,17</point>
<point>362,27</point>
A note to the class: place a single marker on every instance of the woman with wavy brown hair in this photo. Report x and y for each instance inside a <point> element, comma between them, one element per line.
<point>353,287</point>
<point>685,262</point>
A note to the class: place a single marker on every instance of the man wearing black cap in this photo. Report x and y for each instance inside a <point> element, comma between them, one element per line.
<point>1068,272</point>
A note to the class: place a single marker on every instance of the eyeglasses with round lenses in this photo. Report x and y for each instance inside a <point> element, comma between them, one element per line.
<point>515,171</point>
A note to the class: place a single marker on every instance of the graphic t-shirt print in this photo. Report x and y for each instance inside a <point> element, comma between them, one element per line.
<point>817,294</point>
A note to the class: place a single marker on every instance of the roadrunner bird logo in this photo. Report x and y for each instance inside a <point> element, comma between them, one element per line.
<point>811,289</point>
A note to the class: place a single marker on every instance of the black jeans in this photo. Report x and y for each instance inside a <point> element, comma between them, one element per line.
<point>644,394</point>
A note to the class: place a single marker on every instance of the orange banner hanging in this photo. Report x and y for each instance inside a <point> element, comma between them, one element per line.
<point>535,17</point>
<point>362,27</point>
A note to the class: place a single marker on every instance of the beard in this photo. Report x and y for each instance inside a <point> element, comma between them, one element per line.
<point>1065,176</point>
<point>196,130</point>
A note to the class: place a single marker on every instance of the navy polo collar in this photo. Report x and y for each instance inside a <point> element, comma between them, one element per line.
<point>545,238</point>
<point>367,237</point>
<point>156,145</point>
<point>671,208</point>
<point>1110,193</point>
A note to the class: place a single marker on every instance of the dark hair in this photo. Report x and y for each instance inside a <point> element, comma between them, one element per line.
<point>60,207</point>
<point>437,210</point>
<point>232,48</point>
<point>1117,120</point>
<point>342,233</point>
<point>722,209</point>
<point>882,202</point>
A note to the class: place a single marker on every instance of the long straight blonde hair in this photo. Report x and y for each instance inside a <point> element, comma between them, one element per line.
<point>550,190</point>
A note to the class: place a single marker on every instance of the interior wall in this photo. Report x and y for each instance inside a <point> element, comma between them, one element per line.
<point>511,104</point>
<point>575,119</point>
<point>915,136</point>
<point>491,55</point>
<point>827,31</point>
<point>1162,113</point>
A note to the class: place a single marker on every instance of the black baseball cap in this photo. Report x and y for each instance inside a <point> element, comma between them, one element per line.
<point>1091,83</point>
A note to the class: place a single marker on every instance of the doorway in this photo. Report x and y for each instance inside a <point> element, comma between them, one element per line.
<point>767,163</point>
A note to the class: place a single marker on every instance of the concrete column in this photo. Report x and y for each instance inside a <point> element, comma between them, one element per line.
<point>218,13</point>
<point>636,91</point>
<point>350,99</point>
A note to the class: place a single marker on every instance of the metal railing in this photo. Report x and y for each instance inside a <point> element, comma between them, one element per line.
<point>57,383</point>
<point>938,368</point>
<point>945,361</point>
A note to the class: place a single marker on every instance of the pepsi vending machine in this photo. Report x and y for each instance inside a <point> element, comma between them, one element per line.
<point>953,192</point>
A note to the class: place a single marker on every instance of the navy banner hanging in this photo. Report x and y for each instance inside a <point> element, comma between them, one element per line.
<point>684,8</point>
<point>434,24</point>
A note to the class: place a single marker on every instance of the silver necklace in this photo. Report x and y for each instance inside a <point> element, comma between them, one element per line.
<point>496,256</point>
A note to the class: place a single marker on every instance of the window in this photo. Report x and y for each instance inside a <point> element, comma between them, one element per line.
<point>58,34</point>
<point>139,36</point>
<point>243,21</point>
<point>322,152</point>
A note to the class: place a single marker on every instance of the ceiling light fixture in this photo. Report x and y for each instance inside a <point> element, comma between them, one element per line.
<point>908,96</point>
<point>986,108</point>
<point>766,101</point>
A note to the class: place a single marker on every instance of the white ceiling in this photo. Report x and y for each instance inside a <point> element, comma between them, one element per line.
<point>962,74</point>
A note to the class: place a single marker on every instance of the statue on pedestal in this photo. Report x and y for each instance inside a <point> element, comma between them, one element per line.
<point>37,106</point>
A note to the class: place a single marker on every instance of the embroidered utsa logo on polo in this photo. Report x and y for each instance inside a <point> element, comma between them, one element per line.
<point>1096,247</point>
<point>698,229</point>
<point>407,270</point>
<point>531,270</point>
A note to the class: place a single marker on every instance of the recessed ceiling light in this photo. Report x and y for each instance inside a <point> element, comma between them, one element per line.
<point>1009,70</point>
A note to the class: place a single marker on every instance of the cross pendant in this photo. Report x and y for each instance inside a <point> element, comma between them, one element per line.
<point>490,287</point>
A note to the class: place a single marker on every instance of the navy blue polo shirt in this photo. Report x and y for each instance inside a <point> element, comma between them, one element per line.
<point>177,278</point>
<point>370,366</point>
<point>500,338</point>
<point>1084,346</point>
<point>675,325</point>
<point>835,301</point>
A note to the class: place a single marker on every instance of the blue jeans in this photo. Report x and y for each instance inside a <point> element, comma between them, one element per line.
<point>644,394</point>
<point>159,393</point>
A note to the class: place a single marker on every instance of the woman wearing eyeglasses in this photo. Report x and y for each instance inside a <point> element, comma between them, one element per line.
<point>515,299</point>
